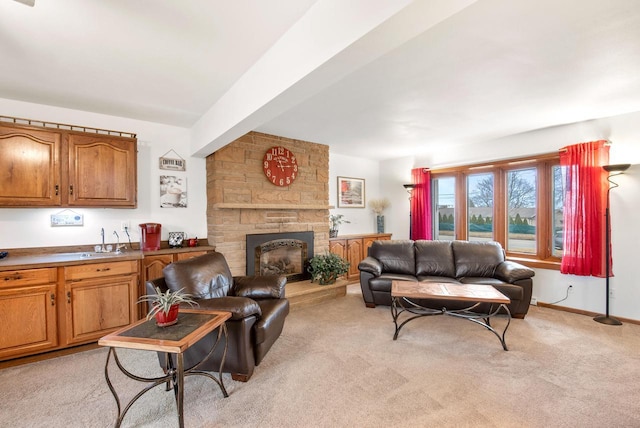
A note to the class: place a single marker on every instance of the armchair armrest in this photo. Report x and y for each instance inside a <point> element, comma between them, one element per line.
<point>371,265</point>
<point>259,287</point>
<point>511,272</point>
<point>240,307</point>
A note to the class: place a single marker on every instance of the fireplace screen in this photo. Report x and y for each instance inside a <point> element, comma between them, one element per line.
<point>280,254</point>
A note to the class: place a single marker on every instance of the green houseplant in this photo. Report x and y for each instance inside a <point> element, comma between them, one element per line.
<point>164,306</point>
<point>326,268</point>
<point>335,220</point>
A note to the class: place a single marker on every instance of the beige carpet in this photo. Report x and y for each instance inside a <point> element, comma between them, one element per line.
<point>336,365</point>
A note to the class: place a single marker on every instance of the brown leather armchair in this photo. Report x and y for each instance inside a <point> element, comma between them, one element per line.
<point>257,305</point>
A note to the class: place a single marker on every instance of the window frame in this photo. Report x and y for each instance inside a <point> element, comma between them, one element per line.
<point>543,256</point>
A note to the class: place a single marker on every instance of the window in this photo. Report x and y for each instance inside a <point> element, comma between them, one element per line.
<point>443,197</point>
<point>557,215</point>
<point>480,197</point>
<point>521,210</point>
<point>518,203</point>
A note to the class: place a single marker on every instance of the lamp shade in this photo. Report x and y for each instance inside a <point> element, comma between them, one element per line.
<point>617,167</point>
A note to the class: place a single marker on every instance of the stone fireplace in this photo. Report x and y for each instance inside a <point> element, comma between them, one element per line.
<point>280,254</point>
<point>242,201</point>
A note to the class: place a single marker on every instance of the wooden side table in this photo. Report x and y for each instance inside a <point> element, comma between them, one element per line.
<point>193,325</point>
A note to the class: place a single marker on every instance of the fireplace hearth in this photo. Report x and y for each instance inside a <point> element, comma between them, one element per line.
<point>285,253</point>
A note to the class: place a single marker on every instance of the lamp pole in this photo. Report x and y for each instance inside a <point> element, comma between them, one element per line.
<point>617,170</point>
<point>409,188</point>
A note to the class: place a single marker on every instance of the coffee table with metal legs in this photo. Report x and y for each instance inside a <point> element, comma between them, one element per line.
<point>406,294</point>
<point>193,325</point>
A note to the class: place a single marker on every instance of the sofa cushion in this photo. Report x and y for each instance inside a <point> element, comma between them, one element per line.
<point>395,256</point>
<point>205,277</point>
<point>476,258</point>
<point>432,278</point>
<point>434,258</point>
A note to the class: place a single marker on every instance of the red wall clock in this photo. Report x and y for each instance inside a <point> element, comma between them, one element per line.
<point>280,166</point>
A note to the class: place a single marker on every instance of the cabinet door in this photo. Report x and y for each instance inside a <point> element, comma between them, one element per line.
<point>97,307</point>
<point>102,171</point>
<point>354,256</point>
<point>152,267</point>
<point>338,247</point>
<point>29,167</point>
<point>28,320</point>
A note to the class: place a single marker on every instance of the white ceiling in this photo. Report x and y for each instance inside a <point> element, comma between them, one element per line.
<point>380,82</point>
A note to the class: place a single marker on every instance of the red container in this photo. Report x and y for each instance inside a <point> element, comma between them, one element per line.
<point>150,236</point>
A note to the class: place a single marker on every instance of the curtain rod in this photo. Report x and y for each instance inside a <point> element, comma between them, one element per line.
<point>607,143</point>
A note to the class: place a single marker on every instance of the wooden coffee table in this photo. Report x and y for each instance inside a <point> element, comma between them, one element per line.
<point>405,293</point>
<point>193,325</point>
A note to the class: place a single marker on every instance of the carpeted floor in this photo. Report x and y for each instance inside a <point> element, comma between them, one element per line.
<point>336,365</point>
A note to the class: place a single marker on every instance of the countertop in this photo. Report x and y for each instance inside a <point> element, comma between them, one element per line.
<point>41,258</point>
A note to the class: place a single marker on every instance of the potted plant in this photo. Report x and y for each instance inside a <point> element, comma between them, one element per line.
<point>378,206</point>
<point>164,306</point>
<point>335,220</point>
<point>326,268</point>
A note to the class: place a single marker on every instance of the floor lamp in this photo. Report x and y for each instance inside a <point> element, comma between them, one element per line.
<point>409,188</point>
<point>613,170</point>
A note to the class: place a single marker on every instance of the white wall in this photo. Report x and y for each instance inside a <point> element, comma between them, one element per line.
<point>362,220</point>
<point>549,285</point>
<point>24,228</point>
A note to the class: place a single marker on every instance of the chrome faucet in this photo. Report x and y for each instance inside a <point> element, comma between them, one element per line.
<point>119,247</point>
<point>102,248</point>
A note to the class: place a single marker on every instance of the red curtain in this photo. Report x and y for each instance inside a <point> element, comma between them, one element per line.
<point>421,204</point>
<point>584,208</point>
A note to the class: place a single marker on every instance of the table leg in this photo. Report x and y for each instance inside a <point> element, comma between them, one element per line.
<point>180,390</point>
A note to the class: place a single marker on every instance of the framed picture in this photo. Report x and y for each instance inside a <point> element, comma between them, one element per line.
<point>350,192</point>
<point>173,191</point>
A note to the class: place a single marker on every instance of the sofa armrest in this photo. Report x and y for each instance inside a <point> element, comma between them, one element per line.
<point>240,307</point>
<point>371,265</point>
<point>509,271</point>
<point>259,287</point>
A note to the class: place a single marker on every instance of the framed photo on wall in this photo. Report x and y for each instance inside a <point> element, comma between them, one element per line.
<point>350,192</point>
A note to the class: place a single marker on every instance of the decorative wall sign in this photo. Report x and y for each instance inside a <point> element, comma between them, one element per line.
<point>173,191</point>
<point>350,192</point>
<point>67,218</point>
<point>176,163</point>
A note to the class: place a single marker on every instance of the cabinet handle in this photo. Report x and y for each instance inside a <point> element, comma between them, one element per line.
<point>12,278</point>
<point>68,296</point>
<point>57,189</point>
<point>71,189</point>
<point>103,269</point>
<point>53,299</point>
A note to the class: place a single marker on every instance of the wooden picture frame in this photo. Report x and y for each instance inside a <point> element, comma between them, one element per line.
<point>351,192</point>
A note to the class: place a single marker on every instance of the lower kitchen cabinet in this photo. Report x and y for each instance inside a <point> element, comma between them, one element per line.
<point>100,298</point>
<point>354,249</point>
<point>28,306</point>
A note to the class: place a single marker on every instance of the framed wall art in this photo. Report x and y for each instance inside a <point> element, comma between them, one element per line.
<point>173,191</point>
<point>350,192</point>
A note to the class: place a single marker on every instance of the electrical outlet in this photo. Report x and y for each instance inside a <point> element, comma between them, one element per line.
<point>124,225</point>
<point>534,301</point>
<point>612,293</point>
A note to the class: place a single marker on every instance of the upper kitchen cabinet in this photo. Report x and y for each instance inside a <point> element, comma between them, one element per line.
<point>61,167</point>
<point>29,167</point>
<point>102,171</point>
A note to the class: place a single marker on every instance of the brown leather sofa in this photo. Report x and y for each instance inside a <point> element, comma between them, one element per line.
<point>257,305</point>
<point>460,262</point>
